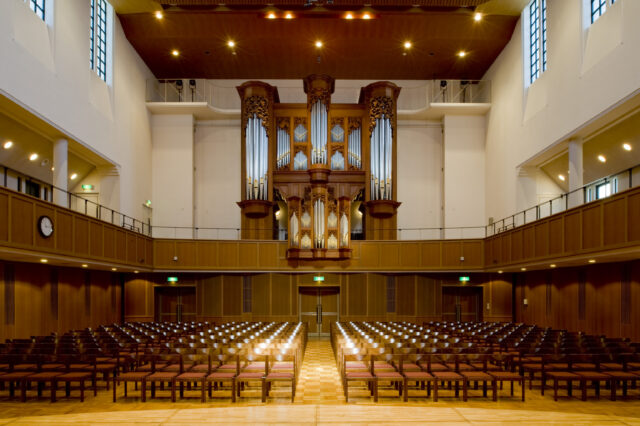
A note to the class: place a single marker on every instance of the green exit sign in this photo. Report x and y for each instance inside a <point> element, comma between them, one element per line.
<point>464,279</point>
<point>318,279</point>
<point>172,279</point>
<point>87,187</point>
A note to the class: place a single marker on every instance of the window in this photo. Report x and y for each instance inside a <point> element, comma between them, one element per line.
<point>537,38</point>
<point>599,7</point>
<point>98,38</point>
<point>38,7</point>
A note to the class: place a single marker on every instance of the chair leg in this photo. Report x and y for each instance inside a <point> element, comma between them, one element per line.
<point>405,397</point>
<point>114,389</point>
<point>54,386</point>
<point>202,390</point>
<point>81,390</point>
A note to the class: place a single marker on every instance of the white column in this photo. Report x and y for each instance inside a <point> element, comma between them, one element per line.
<point>575,171</point>
<point>60,172</point>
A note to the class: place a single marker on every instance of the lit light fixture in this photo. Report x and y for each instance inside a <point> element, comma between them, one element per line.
<point>159,15</point>
<point>148,203</point>
<point>349,15</point>
<point>136,272</point>
<point>87,187</point>
<point>9,144</point>
<point>523,269</point>
<point>114,269</point>
<point>499,272</point>
<point>407,45</point>
<point>33,157</point>
<point>271,15</point>
<point>73,176</point>
<point>602,158</point>
<point>462,53</point>
<point>174,52</point>
<point>592,261</point>
<point>477,16</point>
<point>288,15</point>
<point>44,260</point>
<point>231,43</point>
<point>53,168</point>
<point>561,177</point>
<point>553,265</point>
<point>626,146</point>
<point>366,16</point>
<point>318,44</point>
<point>84,265</point>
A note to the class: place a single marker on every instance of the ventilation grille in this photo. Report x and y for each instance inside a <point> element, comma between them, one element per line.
<point>9,295</point>
<point>582,295</point>
<point>54,294</point>
<point>391,294</point>
<point>246,294</point>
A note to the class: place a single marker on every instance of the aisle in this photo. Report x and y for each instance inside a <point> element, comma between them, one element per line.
<point>319,381</point>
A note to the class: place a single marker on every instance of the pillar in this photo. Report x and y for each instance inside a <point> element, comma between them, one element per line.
<point>60,172</point>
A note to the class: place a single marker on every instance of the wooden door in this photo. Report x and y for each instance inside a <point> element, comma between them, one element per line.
<point>175,304</point>
<point>319,308</point>
<point>461,303</point>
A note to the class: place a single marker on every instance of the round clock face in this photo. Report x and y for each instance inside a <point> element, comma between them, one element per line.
<point>45,226</point>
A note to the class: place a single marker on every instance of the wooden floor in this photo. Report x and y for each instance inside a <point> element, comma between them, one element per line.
<point>319,400</point>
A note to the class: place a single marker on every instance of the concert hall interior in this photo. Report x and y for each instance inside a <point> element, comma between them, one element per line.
<point>319,211</point>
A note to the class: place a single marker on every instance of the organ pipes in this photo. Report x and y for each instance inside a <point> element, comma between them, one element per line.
<point>284,149</point>
<point>381,159</point>
<point>318,223</point>
<point>256,161</point>
<point>319,125</point>
<point>355,148</point>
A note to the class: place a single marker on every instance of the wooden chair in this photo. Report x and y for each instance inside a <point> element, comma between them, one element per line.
<point>417,375</point>
<point>357,375</point>
<point>384,368</point>
<point>480,374</point>
<point>282,373</point>
<point>450,376</point>
<point>78,376</point>
<point>164,376</point>
<point>251,368</point>
<point>222,373</point>
<point>195,375</point>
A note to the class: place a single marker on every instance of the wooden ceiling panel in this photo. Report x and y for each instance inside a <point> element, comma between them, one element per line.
<point>353,49</point>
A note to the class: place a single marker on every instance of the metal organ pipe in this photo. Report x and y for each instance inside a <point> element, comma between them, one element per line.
<point>256,147</point>
<point>319,120</point>
<point>381,160</point>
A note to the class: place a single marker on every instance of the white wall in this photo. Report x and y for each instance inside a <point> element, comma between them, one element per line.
<point>464,170</point>
<point>172,173</point>
<point>45,68</point>
<point>589,71</point>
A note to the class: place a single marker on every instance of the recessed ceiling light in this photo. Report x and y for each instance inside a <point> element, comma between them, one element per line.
<point>174,52</point>
<point>602,158</point>
<point>318,44</point>
<point>53,168</point>
<point>592,261</point>
<point>33,157</point>
<point>231,43</point>
<point>477,16</point>
<point>407,45</point>
<point>499,272</point>
<point>9,144</point>
<point>114,269</point>
<point>626,146</point>
<point>349,15</point>
<point>462,53</point>
<point>288,15</point>
<point>84,265</point>
<point>553,265</point>
<point>366,16</point>
<point>561,177</point>
<point>159,15</point>
<point>271,15</point>
<point>523,269</point>
<point>44,260</point>
<point>73,176</point>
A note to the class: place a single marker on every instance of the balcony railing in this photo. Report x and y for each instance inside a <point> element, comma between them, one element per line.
<point>460,91</point>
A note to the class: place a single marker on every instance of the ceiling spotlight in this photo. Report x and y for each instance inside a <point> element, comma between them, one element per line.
<point>318,44</point>
<point>561,177</point>
<point>114,269</point>
<point>33,157</point>
<point>592,261</point>
<point>477,16</point>
<point>602,158</point>
<point>349,15</point>
<point>499,272</point>
<point>84,265</point>
<point>271,15</point>
<point>523,269</point>
<point>73,176</point>
<point>462,53</point>
<point>9,144</point>
<point>366,16</point>
<point>407,45</point>
<point>553,265</point>
<point>288,15</point>
<point>159,15</point>
<point>44,260</point>
<point>136,272</point>
<point>626,146</point>
<point>231,43</point>
<point>174,52</point>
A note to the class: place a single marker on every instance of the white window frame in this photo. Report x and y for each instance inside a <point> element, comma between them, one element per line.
<point>101,38</point>
<point>597,8</point>
<point>535,40</point>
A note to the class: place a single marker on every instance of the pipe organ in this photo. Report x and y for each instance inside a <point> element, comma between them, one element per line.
<point>318,157</point>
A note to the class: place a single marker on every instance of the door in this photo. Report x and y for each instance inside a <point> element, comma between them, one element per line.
<point>319,308</point>
<point>461,303</point>
<point>175,304</point>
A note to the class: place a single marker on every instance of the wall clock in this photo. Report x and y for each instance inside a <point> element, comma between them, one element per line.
<point>45,226</point>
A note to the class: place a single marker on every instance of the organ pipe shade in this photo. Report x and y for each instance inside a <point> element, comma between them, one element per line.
<point>294,230</point>
<point>318,223</point>
<point>319,125</point>
<point>344,230</point>
<point>256,161</point>
<point>381,153</point>
<point>284,149</point>
<point>355,150</point>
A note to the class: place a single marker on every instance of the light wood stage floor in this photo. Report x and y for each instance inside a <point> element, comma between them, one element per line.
<point>319,400</point>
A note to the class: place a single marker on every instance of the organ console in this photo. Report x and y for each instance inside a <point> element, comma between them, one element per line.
<point>318,158</point>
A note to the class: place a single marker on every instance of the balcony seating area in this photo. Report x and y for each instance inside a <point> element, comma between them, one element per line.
<point>441,359</point>
<point>183,359</point>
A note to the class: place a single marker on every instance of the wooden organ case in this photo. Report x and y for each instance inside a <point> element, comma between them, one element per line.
<point>324,159</point>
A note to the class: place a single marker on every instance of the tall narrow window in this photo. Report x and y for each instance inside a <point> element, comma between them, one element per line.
<point>98,38</point>
<point>537,38</point>
<point>38,7</point>
<point>599,7</point>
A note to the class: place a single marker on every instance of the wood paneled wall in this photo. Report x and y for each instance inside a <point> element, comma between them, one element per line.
<point>612,223</point>
<point>366,256</point>
<point>42,299</point>
<point>75,235</point>
<point>596,299</point>
<point>274,296</point>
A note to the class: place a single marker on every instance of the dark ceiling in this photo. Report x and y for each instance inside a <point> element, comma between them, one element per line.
<point>352,49</point>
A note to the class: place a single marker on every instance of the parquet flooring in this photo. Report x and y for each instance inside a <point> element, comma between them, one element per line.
<point>320,400</point>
